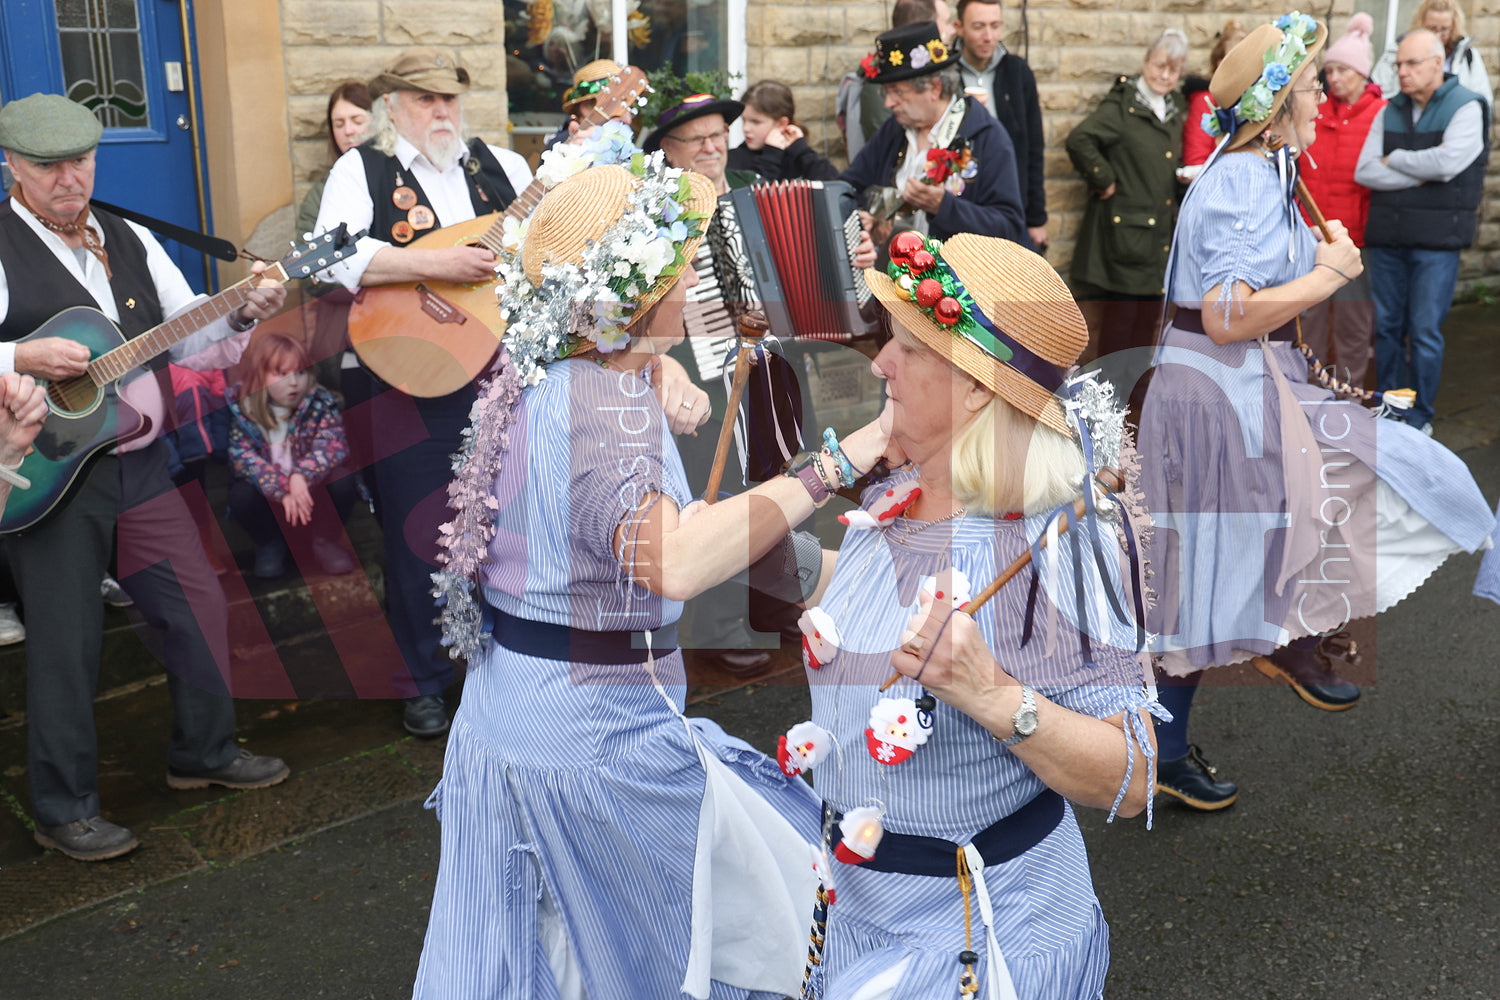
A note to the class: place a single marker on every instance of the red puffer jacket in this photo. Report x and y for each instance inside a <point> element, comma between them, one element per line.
<point>1342,129</point>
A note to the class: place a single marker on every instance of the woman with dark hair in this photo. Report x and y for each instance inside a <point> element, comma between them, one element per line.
<point>347,119</point>
<point>775,145</point>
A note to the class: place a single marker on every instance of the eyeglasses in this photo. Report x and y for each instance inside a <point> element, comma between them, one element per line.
<point>707,139</point>
<point>1413,63</point>
<point>1316,88</point>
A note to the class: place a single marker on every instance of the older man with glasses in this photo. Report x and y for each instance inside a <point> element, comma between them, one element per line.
<point>1424,162</point>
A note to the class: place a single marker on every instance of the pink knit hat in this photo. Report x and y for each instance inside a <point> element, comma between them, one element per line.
<point>1353,47</point>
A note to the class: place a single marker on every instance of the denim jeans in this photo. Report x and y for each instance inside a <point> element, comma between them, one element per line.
<point>1413,289</point>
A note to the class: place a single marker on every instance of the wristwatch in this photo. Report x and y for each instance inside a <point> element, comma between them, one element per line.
<point>1023,723</point>
<point>804,469</point>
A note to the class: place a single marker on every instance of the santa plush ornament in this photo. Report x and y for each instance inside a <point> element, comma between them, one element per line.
<point>801,747</point>
<point>823,870</point>
<point>897,727</point>
<point>886,508</point>
<point>820,638</point>
<point>861,830</point>
<point>951,584</point>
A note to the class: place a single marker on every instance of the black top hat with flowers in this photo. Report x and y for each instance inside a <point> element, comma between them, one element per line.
<point>909,51</point>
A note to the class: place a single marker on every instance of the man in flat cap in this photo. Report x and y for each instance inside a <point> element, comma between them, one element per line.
<point>56,252</point>
<point>416,175</point>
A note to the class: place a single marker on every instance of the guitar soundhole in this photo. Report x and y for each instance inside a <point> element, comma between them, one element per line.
<point>73,395</point>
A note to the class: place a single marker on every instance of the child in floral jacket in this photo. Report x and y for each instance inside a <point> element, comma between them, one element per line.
<point>287,454</point>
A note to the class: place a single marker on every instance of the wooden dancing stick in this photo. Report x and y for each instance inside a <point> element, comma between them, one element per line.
<point>752,326</point>
<point>1107,477</point>
<point>1312,209</point>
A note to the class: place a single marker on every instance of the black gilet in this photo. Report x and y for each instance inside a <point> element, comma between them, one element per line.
<point>489,189</point>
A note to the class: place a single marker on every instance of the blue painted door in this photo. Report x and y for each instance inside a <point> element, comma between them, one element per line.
<point>125,60</point>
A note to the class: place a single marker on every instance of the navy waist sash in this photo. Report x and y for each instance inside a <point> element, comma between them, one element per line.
<point>1003,840</point>
<point>1191,320</point>
<point>547,641</point>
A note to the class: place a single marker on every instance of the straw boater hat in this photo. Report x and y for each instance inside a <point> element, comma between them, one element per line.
<point>588,80</point>
<point>434,70</point>
<point>1001,299</point>
<point>1248,89</point>
<point>582,209</point>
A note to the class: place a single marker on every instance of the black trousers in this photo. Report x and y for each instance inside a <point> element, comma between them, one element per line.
<point>264,521</point>
<point>57,567</point>
<point>413,486</point>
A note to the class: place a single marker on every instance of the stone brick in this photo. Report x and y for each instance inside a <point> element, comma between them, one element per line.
<point>308,116</point>
<point>486,114</point>
<point>330,22</point>
<point>801,26</point>
<point>1065,197</point>
<point>866,20</point>
<point>443,22</point>
<point>1488,236</point>
<point>1090,4</point>
<point>1058,96</point>
<point>1057,127</point>
<point>317,70</point>
<point>1134,29</point>
<point>789,65</point>
<point>1069,27</point>
<point>1100,64</point>
<point>309,159</point>
<point>486,65</point>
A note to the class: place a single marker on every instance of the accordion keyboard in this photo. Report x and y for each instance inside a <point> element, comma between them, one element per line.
<point>706,319</point>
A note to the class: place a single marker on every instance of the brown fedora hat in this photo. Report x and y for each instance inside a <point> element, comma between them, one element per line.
<point>1022,299</point>
<point>1254,79</point>
<point>424,68</point>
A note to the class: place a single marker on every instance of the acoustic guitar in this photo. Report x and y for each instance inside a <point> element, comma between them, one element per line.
<point>85,415</point>
<point>431,338</point>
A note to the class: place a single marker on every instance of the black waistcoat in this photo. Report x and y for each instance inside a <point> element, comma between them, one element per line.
<point>489,189</point>
<point>41,287</point>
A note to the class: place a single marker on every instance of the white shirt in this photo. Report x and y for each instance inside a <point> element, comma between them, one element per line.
<point>914,165</point>
<point>214,346</point>
<point>346,198</point>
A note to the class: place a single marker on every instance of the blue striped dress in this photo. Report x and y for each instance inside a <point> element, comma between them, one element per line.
<point>904,932</point>
<point>579,809</point>
<point>1281,511</point>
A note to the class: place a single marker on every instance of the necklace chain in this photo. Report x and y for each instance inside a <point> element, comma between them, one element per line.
<point>907,529</point>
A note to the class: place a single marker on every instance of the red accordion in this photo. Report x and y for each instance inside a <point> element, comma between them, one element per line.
<point>800,236</point>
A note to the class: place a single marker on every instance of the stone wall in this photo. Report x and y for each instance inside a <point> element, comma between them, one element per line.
<point>328,41</point>
<point>1077,49</point>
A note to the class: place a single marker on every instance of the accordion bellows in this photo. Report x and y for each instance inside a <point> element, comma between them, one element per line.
<point>1021,295</point>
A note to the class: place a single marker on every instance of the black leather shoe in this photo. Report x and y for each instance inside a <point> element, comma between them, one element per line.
<point>1310,674</point>
<point>92,839</point>
<point>425,716</point>
<point>742,664</point>
<point>245,771</point>
<point>1190,780</point>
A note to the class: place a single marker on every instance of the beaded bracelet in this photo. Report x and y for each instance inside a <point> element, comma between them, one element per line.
<point>831,444</point>
<point>832,486</point>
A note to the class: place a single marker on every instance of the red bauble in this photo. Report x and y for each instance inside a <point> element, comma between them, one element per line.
<point>929,291</point>
<point>903,245</point>
<point>948,311</point>
<point>921,260</point>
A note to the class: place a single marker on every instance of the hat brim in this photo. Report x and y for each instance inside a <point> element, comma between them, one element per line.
<point>907,73</point>
<point>1248,131</point>
<point>996,376</point>
<point>388,83</point>
<point>730,110</point>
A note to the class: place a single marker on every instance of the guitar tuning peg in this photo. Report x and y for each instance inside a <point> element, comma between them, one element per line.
<point>308,237</point>
<point>322,262</point>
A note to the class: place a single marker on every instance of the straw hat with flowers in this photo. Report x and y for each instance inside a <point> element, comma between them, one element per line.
<point>588,80</point>
<point>1255,78</point>
<point>602,248</point>
<point>995,310</point>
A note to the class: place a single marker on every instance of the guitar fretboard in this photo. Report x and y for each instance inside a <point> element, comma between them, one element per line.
<point>113,365</point>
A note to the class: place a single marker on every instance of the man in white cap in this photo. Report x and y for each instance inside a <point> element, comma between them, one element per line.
<point>56,252</point>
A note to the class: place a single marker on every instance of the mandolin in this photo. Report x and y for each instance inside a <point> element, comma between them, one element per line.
<point>431,338</point>
<point>85,414</point>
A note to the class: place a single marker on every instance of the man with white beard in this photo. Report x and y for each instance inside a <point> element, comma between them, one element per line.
<point>414,175</point>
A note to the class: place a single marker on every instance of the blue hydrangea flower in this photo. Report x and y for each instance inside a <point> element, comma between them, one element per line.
<point>1276,75</point>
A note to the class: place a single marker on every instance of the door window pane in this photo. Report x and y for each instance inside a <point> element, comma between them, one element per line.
<point>100,44</point>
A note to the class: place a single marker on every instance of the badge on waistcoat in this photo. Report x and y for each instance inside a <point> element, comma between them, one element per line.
<point>404,198</point>
<point>402,232</point>
<point>421,218</point>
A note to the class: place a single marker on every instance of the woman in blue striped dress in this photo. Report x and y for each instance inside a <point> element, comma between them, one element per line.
<point>1292,510</point>
<point>595,843</point>
<point>962,773</point>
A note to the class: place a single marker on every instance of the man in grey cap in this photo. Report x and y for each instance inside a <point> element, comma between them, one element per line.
<point>56,252</point>
<point>416,175</point>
